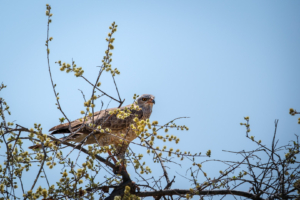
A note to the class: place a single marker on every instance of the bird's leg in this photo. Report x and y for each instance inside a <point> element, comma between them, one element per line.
<point>112,157</point>
<point>121,167</point>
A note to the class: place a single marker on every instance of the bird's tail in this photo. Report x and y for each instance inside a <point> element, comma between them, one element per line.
<point>47,144</point>
<point>34,147</point>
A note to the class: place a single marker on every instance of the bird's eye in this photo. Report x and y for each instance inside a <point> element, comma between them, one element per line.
<point>144,99</point>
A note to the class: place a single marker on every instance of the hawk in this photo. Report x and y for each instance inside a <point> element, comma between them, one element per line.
<point>119,126</point>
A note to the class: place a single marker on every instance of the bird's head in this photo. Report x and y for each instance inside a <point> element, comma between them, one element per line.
<point>146,101</point>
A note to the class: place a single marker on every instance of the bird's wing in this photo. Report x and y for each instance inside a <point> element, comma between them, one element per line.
<point>114,123</point>
<point>102,118</point>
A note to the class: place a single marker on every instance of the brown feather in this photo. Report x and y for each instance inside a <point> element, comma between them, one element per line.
<point>101,118</point>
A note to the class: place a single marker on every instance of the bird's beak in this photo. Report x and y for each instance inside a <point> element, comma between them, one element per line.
<point>151,101</point>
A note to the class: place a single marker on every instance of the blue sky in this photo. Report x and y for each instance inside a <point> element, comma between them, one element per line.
<point>213,61</point>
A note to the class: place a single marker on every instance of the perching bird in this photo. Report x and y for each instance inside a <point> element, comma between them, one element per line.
<point>120,128</point>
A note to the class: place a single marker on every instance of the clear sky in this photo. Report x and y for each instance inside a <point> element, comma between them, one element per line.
<point>213,61</point>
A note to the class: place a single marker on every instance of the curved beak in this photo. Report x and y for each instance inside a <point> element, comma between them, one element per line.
<point>151,101</point>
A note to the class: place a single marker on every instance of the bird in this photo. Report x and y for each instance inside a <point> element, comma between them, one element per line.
<point>108,119</point>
